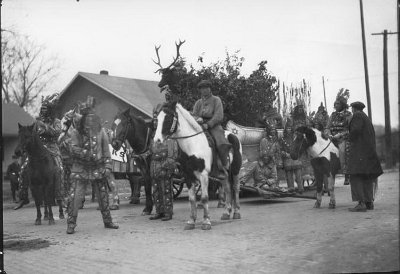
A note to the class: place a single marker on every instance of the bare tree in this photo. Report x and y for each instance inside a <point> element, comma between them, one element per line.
<point>25,69</point>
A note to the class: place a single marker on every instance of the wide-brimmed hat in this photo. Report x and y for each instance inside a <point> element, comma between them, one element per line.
<point>358,105</point>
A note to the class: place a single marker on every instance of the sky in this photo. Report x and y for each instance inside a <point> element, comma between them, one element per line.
<point>300,39</point>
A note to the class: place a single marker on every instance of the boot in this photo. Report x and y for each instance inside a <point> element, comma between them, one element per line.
<point>167,217</point>
<point>359,208</point>
<point>21,204</point>
<point>223,152</point>
<point>369,205</point>
<point>111,225</point>
<point>157,216</point>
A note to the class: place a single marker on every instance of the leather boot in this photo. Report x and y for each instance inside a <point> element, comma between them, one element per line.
<point>111,225</point>
<point>359,208</point>
<point>369,205</point>
<point>223,152</point>
<point>157,216</point>
<point>167,217</point>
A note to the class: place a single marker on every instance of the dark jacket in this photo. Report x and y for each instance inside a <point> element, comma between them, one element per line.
<point>363,158</point>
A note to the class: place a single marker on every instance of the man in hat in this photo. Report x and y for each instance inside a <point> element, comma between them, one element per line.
<point>209,112</point>
<point>91,162</point>
<point>364,166</point>
<point>12,174</point>
<point>338,129</point>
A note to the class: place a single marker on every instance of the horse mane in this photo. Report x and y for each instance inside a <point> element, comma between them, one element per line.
<point>189,118</point>
<point>310,133</point>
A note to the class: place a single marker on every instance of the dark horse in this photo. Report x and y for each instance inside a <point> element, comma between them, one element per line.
<point>41,171</point>
<point>127,126</point>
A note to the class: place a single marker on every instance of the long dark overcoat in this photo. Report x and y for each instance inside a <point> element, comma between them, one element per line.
<point>363,158</point>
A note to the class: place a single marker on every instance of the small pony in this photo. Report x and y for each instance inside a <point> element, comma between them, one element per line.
<point>41,171</point>
<point>324,159</point>
<point>175,122</point>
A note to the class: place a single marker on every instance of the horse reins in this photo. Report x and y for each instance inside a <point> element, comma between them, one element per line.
<point>330,141</point>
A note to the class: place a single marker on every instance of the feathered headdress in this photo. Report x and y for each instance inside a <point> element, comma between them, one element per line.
<point>50,100</point>
<point>343,96</point>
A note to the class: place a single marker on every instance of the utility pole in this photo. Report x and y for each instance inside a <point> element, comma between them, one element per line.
<point>323,84</point>
<point>365,62</point>
<point>388,130</point>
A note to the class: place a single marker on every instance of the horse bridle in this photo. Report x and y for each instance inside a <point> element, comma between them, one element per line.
<point>305,139</point>
<point>130,124</point>
<point>174,127</point>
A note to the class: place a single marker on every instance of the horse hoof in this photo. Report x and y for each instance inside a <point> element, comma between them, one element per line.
<point>38,222</point>
<point>52,222</point>
<point>236,216</point>
<point>225,216</point>
<point>200,206</point>
<point>45,218</point>
<point>206,226</point>
<point>221,205</point>
<point>61,216</point>
<point>332,206</point>
<point>189,226</point>
<point>317,204</point>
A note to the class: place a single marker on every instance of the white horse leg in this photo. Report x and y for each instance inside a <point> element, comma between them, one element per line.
<point>235,196</point>
<point>331,189</point>
<point>204,200</point>
<point>193,210</point>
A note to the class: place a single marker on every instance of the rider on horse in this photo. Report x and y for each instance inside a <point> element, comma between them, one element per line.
<point>208,111</point>
<point>48,128</point>
<point>338,129</point>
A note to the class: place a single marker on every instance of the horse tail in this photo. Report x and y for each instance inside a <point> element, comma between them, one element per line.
<point>237,155</point>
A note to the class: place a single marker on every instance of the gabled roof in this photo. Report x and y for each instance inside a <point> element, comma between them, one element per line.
<point>12,115</point>
<point>143,95</point>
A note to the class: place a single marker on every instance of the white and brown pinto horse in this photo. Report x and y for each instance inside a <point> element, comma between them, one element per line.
<point>324,159</point>
<point>176,122</point>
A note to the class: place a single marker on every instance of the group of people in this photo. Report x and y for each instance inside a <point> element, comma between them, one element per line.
<point>353,134</point>
<point>89,158</point>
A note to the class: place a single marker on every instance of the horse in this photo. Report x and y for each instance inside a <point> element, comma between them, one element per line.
<point>175,122</point>
<point>324,159</point>
<point>127,126</point>
<point>41,171</point>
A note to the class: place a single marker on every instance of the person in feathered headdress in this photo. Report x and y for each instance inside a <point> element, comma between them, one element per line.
<point>321,118</point>
<point>338,128</point>
<point>48,127</point>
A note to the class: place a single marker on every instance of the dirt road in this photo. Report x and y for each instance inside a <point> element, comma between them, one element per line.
<point>274,236</point>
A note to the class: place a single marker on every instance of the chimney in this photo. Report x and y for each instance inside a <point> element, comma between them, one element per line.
<point>103,72</point>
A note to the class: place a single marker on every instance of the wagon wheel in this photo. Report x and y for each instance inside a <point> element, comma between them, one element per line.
<point>177,186</point>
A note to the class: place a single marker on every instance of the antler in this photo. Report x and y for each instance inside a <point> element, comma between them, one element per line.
<point>178,45</point>
<point>158,57</point>
<point>177,52</point>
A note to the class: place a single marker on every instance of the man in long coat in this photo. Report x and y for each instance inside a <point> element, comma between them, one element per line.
<point>364,166</point>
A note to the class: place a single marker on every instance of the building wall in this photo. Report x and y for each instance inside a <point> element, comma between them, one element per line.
<point>107,105</point>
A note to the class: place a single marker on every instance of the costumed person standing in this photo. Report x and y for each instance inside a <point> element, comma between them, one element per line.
<point>209,113</point>
<point>91,162</point>
<point>293,168</point>
<point>162,167</point>
<point>12,174</point>
<point>48,127</point>
<point>364,166</point>
<point>338,129</point>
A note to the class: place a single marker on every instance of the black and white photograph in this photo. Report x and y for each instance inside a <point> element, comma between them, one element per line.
<point>189,136</point>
